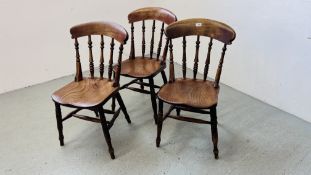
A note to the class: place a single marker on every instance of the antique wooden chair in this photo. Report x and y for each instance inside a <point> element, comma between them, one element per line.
<point>92,92</point>
<point>147,66</point>
<point>193,94</point>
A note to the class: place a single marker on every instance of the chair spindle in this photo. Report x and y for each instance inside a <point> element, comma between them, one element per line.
<point>91,61</point>
<point>132,52</point>
<point>221,61</point>
<point>101,61</point>
<point>152,39</point>
<point>172,72</point>
<point>196,58</point>
<point>165,51</point>
<point>208,58</point>
<point>117,77</point>
<point>79,75</point>
<point>143,40</point>
<point>184,59</point>
<point>160,41</point>
<point>111,59</point>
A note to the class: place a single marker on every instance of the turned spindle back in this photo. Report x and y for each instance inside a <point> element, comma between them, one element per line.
<point>109,30</point>
<point>155,14</point>
<point>199,27</point>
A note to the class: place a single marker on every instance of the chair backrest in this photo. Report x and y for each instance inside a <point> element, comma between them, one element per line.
<point>154,14</point>
<point>199,27</point>
<point>109,29</point>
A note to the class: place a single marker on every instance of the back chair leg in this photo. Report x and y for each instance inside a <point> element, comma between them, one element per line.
<point>123,108</point>
<point>178,111</point>
<point>141,86</point>
<point>106,131</point>
<point>214,131</point>
<point>153,99</point>
<point>113,104</point>
<point>163,77</point>
<point>160,122</point>
<point>59,123</point>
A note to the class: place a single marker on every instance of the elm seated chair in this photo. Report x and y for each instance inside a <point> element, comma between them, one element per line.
<point>193,94</point>
<point>92,92</point>
<point>147,66</point>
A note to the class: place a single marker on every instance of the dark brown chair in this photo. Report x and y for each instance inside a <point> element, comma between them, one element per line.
<point>193,94</point>
<point>147,66</point>
<point>92,92</point>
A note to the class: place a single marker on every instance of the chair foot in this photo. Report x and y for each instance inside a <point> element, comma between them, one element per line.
<point>123,108</point>
<point>111,152</point>
<point>160,122</point>
<point>153,100</point>
<point>59,124</point>
<point>214,131</point>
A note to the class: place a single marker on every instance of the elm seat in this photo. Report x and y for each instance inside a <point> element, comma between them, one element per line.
<point>189,92</point>
<point>140,67</point>
<point>85,93</point>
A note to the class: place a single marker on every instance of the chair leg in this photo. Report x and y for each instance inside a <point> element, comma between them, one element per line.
<point>113,104</point>
<point>123,108</point>
<point>153,99</point>
<point>160,122</point>
<point>214,131</point>
<point>163,77</point>
<point>106,131</point>
<point>113,100</point>
<point>141,86</point>
<point>178,111</point>
<point>96,113</point>
<point>59,123</point>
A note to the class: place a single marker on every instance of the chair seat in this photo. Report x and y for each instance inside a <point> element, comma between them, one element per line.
<point>189,92</point>
<point>140,67</point>
<point>86,93</point>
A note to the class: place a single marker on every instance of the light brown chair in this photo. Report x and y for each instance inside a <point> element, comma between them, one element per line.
<point>147,66</point>
<point>193,94</point>
<point>92,92</point>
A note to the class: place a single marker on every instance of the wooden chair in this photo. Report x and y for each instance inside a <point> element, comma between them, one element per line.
<point>92,92</point>
<point>147,66</point>
<point>193,94</point>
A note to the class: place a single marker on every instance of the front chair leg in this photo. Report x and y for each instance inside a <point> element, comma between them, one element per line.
<point>59,123</point>
<point>160,122</point>
<point>163,77</point>
<point>214,131</point>
<point>123,108</point>
<point>106,131</point>
<point>153,99</point>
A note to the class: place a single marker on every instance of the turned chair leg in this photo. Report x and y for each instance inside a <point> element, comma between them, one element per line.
<point>214,131</point>
<point>163,77</point>
<point>123,108</point>
<point>160,122</point>
<point>106,131</point>
<point>141,86</point>
<point>178,111</point>
<point>153,99</point>
<point>59,123</point>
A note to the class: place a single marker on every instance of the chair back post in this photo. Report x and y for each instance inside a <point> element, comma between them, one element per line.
<point>200,27</point>
<point>132,52</point>
<point>79,75</point>
<point>118,72</point>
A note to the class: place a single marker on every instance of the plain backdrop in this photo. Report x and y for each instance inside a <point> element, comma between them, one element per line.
<point>269,60</point>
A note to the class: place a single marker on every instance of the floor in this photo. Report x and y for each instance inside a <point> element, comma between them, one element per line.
<point>254,138</point>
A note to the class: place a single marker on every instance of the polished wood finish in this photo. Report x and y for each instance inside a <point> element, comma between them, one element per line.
<point>152,13</point>
<point>147,65</point>
<point>109,29</point>
<point>85,93</point>
<point>140,67</point>
<point>189,92</point>
<point>203,27</point>
<point>91,93</point>
<point>195,95</point>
